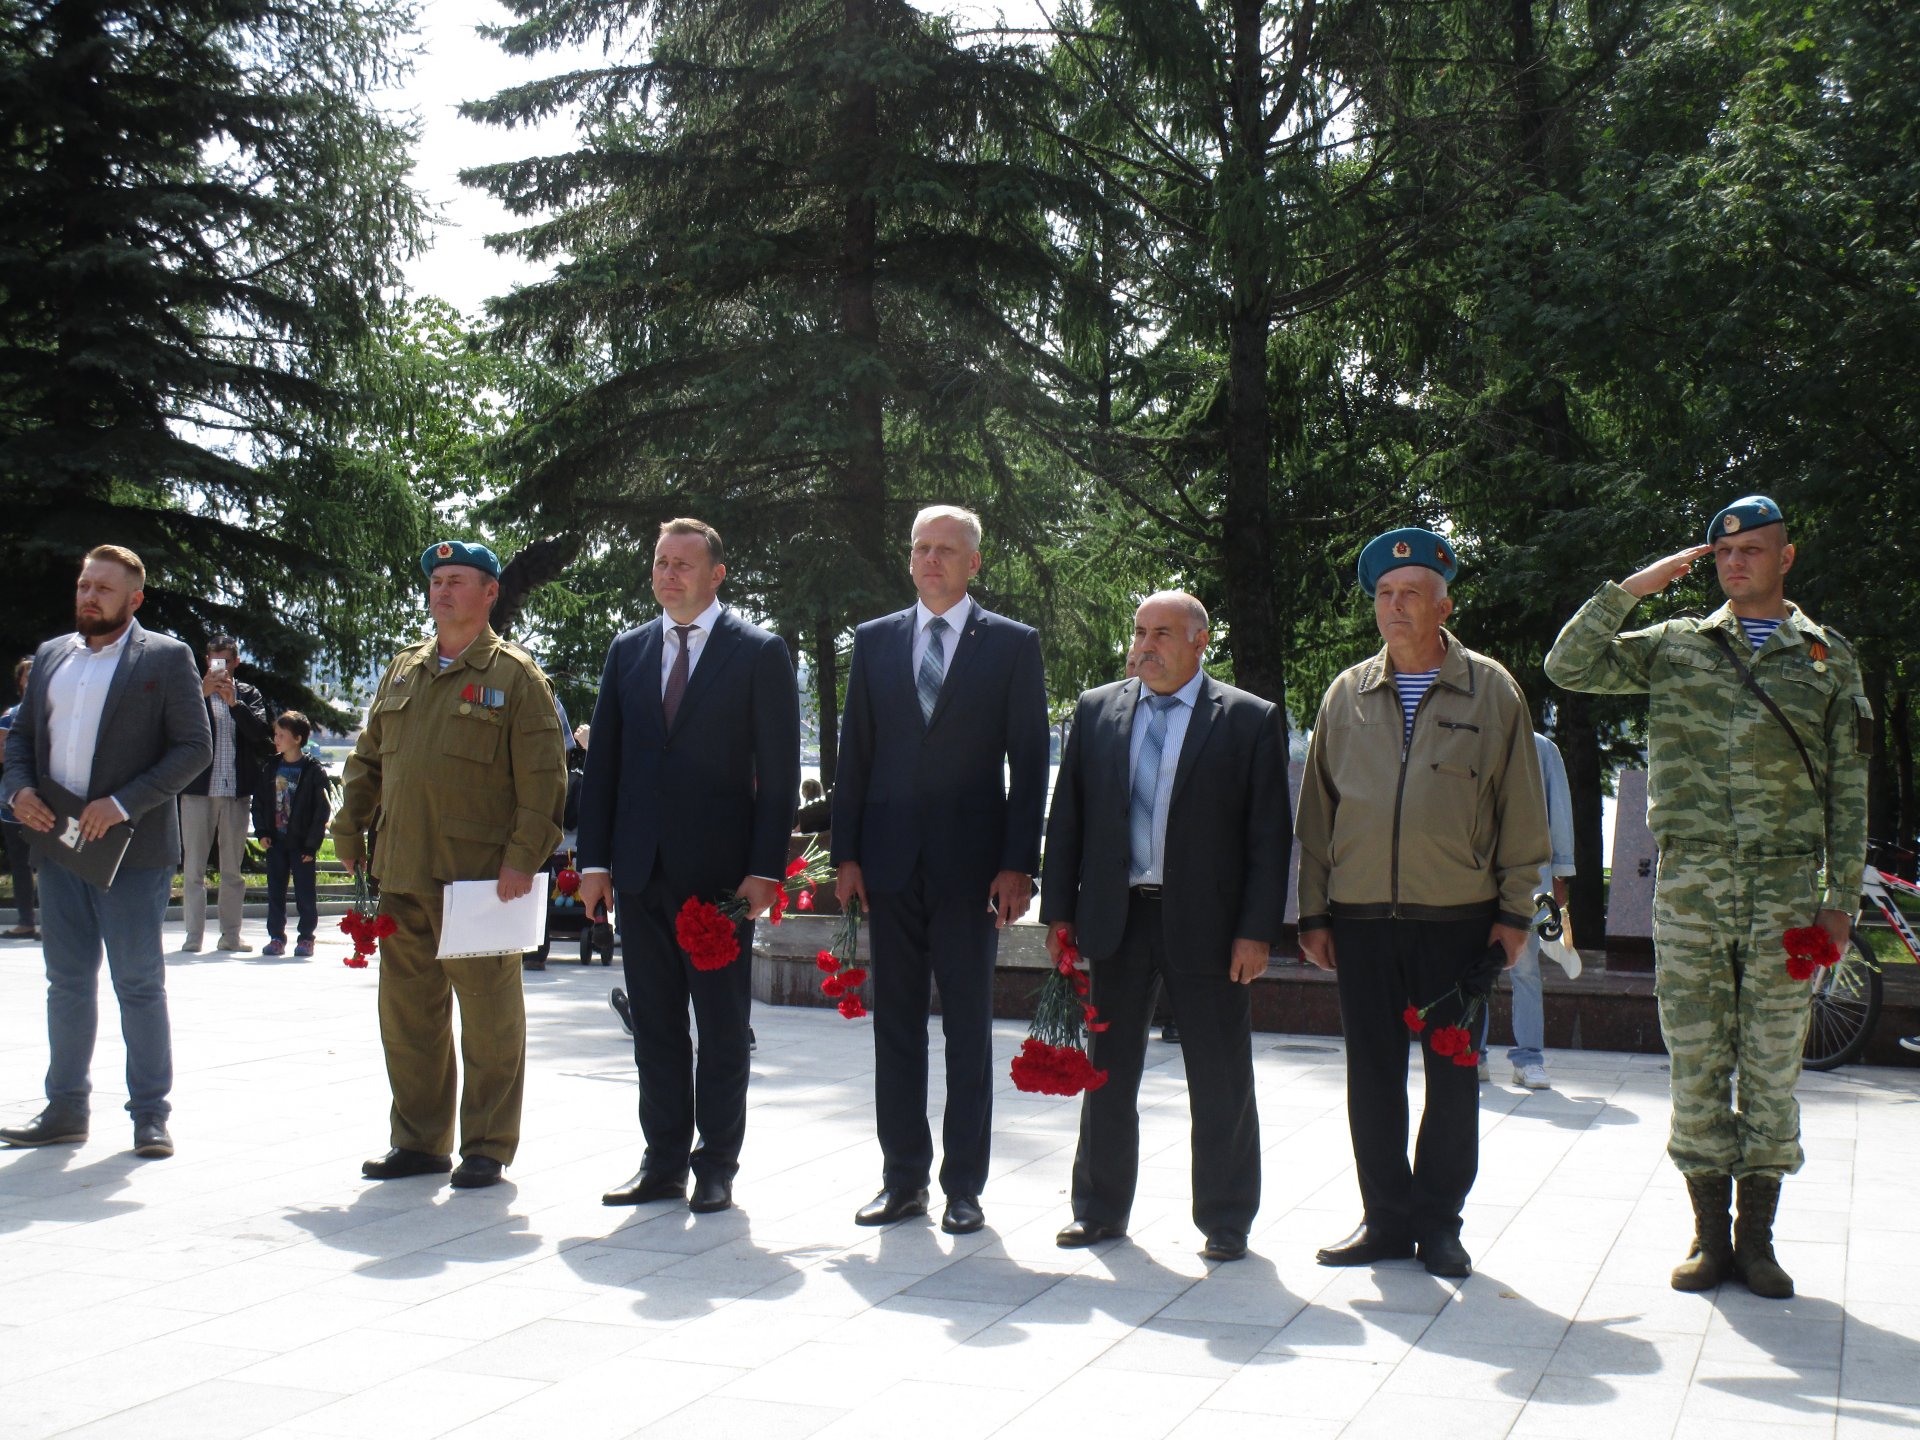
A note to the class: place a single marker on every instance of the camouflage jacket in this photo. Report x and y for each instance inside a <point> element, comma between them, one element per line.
<point>1722,771</point>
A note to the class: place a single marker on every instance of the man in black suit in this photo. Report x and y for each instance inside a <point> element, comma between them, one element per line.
<point>689,792</point>
<point>1167,851</point>
<point>113,717</point>
<point>936,830</point>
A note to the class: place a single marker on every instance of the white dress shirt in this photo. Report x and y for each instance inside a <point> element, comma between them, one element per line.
<point>76,699</point>
<point>958,618</point>
<point>696,642</point>
<point>1177,718</point>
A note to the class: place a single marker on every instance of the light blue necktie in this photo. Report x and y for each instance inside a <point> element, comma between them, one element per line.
<point>933,668</point>
<point>1146,782</point>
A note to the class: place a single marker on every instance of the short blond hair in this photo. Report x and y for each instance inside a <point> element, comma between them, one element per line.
<point>967,518</point>
<point>686,526</point>
<point>122,557</point>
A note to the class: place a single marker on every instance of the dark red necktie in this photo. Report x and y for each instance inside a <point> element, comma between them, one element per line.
<point>677,677</point>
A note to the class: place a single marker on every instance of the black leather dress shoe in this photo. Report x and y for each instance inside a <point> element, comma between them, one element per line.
<point>1365,1246</point>
<point>643,1189</point>
<point>1224,1245</point>
<point>475,1172</point>
<point>49,1127</point>
<point>397,1164</point>
<point>964,1215</point>
<point>711,1195</point>
<point>1087,1232</point>
<point>1445,1256</point>
<point>151,1140</point>
<point>891,1205</point>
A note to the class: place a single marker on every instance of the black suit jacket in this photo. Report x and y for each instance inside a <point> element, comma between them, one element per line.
<point>712,800</point>
<point>153,739</point>
<point>961,794</point>
<point>1229,827</point>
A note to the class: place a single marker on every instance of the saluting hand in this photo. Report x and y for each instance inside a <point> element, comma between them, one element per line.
<point>1662,573</point>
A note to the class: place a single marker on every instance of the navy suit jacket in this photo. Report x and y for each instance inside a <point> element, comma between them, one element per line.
<point>1229,827</point>
<point>712,800</point>
<point>154,738</point>
<point>961,795</point>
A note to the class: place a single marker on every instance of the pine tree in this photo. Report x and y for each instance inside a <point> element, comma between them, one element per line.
<point>202,209</point>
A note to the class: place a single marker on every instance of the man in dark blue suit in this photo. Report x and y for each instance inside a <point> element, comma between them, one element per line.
<point>936,830</point>
<point>1167,851</point>
<point>689,792</point>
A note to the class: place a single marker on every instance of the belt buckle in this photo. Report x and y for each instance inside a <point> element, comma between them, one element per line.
<point>1147,892</point>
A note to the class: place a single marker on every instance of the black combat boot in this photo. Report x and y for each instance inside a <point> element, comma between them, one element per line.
<point>1711,1259</point>
<point>1753,1258</point>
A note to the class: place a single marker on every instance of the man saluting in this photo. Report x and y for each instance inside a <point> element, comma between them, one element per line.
<point>1757,743</point>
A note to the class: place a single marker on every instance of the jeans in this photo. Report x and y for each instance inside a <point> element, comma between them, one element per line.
<point>284,861</point>
<point>1529,1013</point>
<point>76,919</point>
<point>205,819</point>
<point>20,864</point>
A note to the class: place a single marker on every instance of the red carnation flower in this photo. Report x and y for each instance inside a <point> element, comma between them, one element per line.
<point>1416,1022</point>
<point>851,1008</point>
<point>1800,967</point>
<point>1043,1069</point>
<point>383,926</point>
<point>803,902</point>
<point>1808,948</point>
<point>853,978</point>
<point>825,961</point>
<point>1467,1060</point>
<point>355,961</point>
<point>833,987</point>
<point>1451,1040</point>
<point>706,935</point>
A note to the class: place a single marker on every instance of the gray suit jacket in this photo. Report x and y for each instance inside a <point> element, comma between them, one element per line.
<point>154,738</point>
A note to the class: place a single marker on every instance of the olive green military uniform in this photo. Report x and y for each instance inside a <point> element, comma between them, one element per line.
<point>460,771</point>
<point>1749,848</point>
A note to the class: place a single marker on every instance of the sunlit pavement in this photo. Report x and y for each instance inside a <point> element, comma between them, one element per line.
<point>256,1285</point>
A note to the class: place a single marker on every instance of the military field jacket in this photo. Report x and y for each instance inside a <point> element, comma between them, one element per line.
<point>1721,770</point>
<point>1450,823</point>
<point>460,770</point>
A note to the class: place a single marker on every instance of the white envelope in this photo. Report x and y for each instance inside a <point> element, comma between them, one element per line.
<point>474,920</point>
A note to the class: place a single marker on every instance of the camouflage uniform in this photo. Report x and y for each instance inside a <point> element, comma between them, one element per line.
<point>462,770</point>
<point>1743,837</point>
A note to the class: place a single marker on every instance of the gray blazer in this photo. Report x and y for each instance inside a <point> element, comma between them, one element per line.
<point>154,738</point>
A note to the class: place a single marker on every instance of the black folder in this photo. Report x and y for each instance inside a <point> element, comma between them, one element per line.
<point>95,861</point>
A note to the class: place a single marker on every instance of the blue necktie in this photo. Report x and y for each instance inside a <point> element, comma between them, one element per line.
<point>933,668</point>
<point>1146,782</point>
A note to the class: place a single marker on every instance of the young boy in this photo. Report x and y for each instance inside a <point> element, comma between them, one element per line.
<point>290,818</point>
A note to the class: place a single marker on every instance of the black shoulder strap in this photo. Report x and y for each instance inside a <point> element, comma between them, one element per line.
<point>1740,668</point>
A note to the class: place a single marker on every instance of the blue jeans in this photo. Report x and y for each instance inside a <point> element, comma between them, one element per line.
<point>76,920</point>
<point>1529,1013</point>
<point>283,860</point>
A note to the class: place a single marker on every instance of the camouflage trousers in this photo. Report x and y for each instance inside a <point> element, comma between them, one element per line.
<point>1734,1021</point>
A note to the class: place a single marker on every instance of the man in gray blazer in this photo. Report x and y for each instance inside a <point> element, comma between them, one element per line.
<point>113,716</point>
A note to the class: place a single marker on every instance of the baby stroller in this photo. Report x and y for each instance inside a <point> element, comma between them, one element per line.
<point>566,916</point>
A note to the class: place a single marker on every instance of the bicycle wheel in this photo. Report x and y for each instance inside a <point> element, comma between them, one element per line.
<point>1846,1003</point>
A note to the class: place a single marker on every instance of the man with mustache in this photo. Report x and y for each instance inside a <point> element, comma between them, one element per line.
<point>113,717</point>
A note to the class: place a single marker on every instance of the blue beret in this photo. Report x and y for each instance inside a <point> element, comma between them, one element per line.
<point>1749,512</point>
<point>1405,547</point>
<point>459,552</point>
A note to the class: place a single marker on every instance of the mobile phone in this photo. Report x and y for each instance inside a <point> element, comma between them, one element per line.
<point>219,662</point>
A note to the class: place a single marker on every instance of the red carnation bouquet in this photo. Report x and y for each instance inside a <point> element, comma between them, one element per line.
<point>840,976</point>
<point>364,925</point>
<point>1053,1061</point>
<point>1456,1041</point>
<point>705,928</point>
<point>1809,948</point>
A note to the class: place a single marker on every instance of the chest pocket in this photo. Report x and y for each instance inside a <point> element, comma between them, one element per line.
<point>389,713</point>
<point>472,737</point>
<point>1803,693</point>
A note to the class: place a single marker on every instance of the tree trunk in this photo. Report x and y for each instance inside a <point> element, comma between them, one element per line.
<point>1580,744</point>
<point>826,686</point>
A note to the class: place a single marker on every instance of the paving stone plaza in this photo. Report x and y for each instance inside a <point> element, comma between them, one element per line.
<point>255,1285</point>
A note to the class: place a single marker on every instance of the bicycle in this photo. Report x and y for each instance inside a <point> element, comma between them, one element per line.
<point>1848,994</point>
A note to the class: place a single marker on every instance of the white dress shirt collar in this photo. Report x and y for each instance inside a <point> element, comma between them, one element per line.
<point>957,618</point>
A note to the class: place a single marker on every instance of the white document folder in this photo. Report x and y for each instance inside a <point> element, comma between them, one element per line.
<point>474,920</point>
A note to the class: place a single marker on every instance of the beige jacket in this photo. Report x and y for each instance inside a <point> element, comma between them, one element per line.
<point>1449,825</point>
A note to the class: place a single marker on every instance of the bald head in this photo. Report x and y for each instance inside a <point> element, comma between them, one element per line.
<point>1169,640</point>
